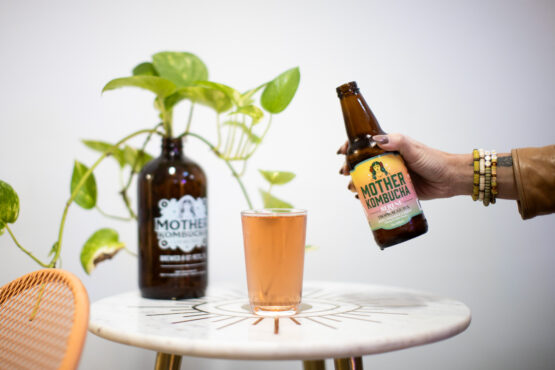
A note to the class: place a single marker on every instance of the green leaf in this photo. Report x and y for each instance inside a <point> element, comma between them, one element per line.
<point>250,135</point>
<point>158,85</point>
<point>207,96</point>
<point>9,205</point>
<point>101,146</point>
<point>246,97</point>
<point>272,202</point>
<point>145,69</point>
<point>183,69</point>
<point>277,177</point>
<point>252,111</point>
<point>136,157</point>
<point>230,92</point>
<point>102,245</point>
<point>86,196</point>
<point>280,91</point>
<point>53,249</point>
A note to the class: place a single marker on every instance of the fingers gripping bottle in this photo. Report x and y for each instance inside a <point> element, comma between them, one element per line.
<point>381,178</point>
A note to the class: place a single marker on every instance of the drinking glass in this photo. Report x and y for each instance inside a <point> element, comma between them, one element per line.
<point>274,240</point>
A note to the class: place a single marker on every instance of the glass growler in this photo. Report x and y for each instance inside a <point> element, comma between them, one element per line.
<point>381,178</point>
<point>173,230</point>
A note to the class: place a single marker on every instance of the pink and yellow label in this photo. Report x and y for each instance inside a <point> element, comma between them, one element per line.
<point>386,192</point>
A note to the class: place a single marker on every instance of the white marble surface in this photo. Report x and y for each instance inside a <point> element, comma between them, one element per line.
<point>336,320</point>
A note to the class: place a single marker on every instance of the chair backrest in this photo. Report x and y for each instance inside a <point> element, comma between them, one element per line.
<point>44,317</point>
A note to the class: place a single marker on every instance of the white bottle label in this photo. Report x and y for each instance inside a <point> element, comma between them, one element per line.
<point>182,224</point>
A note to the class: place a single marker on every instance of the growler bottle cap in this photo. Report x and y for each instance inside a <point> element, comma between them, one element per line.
<point>349,88</point>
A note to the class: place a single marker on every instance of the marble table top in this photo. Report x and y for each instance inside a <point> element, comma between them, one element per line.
<point>336,320</point>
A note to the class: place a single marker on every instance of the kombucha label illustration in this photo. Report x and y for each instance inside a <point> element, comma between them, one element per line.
<point>182,224</point>
<point>386,192</point>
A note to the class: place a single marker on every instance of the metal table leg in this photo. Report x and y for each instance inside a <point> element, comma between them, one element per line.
<point>166,361</point>
<point>314,365</point>
<point>348,363</point>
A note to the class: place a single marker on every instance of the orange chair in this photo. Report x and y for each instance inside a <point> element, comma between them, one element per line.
<point>44,317</point>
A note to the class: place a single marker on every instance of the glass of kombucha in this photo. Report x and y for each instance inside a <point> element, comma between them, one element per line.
<point>274,240</point>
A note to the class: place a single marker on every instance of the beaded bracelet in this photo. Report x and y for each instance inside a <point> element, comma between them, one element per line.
<point>493,176</point>
<point>485,176</point>
<point>476,181</point>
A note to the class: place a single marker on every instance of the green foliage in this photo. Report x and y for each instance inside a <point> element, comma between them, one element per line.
<point>230,92</point>
<point>102,245</point>
<point>173,77</point>
<point>86,195</point>
<point>181,68</point>
<point>271,201</point>
<point>210,97</point>
<point>250,135</point>
<point>9,205</point>
<point>280,91</point>
<point>145,69</point>
<point>136,158</point>
<point>126,156</point>
<point>252,111</point>
<point>277,177</point>
<point>101,146</point>
<point>158,85</point>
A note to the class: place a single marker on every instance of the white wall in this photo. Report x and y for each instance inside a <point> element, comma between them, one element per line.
<point>455,75</point>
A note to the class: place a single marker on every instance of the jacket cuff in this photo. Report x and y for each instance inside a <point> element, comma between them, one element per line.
<point>522,203</point>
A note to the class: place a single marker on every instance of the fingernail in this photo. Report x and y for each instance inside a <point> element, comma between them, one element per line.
<point>381,139</point>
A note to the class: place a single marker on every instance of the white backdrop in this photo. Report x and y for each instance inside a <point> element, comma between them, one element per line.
<point>455,75</point>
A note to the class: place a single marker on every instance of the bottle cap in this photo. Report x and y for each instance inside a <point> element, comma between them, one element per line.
<point>349,88</point>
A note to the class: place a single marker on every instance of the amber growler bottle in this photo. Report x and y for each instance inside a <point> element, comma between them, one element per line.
<point>381,178</point>
<point>172,226</point>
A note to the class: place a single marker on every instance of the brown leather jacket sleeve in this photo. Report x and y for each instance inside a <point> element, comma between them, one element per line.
<point>534,170</point>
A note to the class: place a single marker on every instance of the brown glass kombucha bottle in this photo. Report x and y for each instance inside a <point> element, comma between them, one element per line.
<point>381,178</point>
<point>172,226</point>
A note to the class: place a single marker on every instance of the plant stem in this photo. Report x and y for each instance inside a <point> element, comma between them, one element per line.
<point>123,191</point>
<point>190,117</point>
<point>219,131</point>
<point>121,218</point>
<point>244,151</point>
<point>233,132</point>
<point>241,138</point>
<point>23,249</point>
<point>166,116</point>
<point>261,138</point>
<point>127,203</point>
<point>129,251</point>
<point>82,182</point>
<point>215,150</point>
<point>244,169</point>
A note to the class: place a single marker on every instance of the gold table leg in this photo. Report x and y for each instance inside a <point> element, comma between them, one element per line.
<point>349,363</point>
<point>314,365</point>
<point>166,361</point>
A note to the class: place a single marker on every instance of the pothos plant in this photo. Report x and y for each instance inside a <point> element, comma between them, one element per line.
<point>242,122</point>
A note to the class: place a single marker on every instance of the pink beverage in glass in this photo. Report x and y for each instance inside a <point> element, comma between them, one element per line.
<point>274,241</point>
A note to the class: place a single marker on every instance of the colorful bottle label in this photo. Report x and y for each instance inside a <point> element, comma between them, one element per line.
<point>386,192</point>
<point>182,224</point>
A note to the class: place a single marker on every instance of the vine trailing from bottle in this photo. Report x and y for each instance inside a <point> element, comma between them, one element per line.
<point>174,77</point>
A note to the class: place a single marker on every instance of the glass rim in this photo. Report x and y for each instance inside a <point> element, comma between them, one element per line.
<point>274,212</point>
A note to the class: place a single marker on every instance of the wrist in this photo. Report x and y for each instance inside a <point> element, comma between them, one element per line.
<point>461,173</point>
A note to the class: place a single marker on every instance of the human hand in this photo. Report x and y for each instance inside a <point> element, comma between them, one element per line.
<point>434,174</point>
